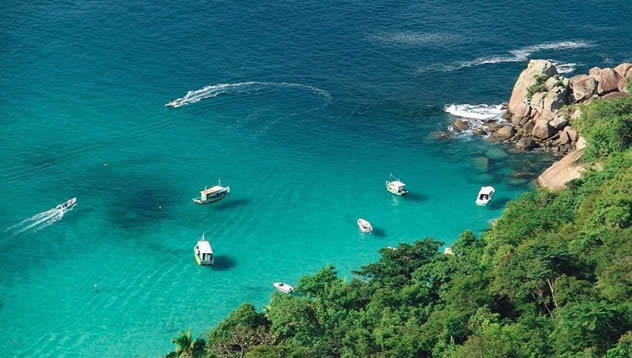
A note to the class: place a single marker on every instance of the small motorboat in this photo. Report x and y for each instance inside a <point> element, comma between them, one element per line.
<point>364,225</point>
<point>212,194</point>
<point>283,287</point>
<point>175,103</point>
<point>485,195</point>
<point>67,204</point>
<point>203,252</point>
<point>396,187</point>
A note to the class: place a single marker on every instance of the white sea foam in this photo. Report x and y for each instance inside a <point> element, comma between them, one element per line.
<point>475,114</point>
<point>413,38</point>
<point>564,68</point>
<point>518,55</point>
<point>194,96</point>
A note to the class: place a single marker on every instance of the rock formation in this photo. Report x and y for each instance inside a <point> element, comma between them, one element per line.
<point>542,105</point>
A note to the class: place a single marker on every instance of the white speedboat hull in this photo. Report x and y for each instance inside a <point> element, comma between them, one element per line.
<point>283,287</point>
<point>365,226</point>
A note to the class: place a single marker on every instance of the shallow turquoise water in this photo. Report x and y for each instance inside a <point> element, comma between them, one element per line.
<point>84,84</point>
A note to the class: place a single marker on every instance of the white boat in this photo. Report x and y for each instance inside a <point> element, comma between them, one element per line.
<point>67,204</point>
<point>283,287</point>
<point>396,187</point>
<point>203,252</point>
<point>175,103</point>
<point>212,194</point>
<point>485,195</point>
<point>364,225</point>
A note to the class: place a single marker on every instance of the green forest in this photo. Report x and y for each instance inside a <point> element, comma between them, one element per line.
<point>552,277</point>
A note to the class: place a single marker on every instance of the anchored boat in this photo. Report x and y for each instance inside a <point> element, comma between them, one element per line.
<point>213,194</point>
<point>485,195</point>
<point>396,186</point>
<point>365,226</point>
<point>283,287</point>
<point>203,252</point>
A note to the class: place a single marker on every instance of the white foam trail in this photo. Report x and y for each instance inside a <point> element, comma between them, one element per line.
<point>38,221</point>
<point>194,96</point>
<point>475,115</point>
<point>413,38</point>
<point>518,55</point>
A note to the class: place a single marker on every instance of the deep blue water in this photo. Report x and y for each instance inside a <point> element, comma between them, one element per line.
<point>345,93</point>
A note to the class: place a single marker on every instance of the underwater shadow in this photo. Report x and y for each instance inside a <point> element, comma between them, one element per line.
<point>222,263</point>
<point>415,197</point>
<point>231,204</point>
<point>378,233</point>
<point>499,203</point>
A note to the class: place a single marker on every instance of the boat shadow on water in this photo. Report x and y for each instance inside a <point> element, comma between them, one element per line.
<point>223,263</point>
<point>498,203</point>
<point>415,197</point>
<point>378,232</point>
<point>231,204</point>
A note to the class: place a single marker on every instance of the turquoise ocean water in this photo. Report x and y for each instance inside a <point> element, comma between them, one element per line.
<point>311,105</point>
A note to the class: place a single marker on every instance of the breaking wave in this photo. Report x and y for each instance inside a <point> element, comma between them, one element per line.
<point>564,68</point>
<point>241,87</point>
<point>519,55</point>
<point>475,114</point>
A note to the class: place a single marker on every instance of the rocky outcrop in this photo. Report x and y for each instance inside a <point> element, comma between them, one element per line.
<point>541,104</point>
<point>460,124</point>
<point>568,168</point>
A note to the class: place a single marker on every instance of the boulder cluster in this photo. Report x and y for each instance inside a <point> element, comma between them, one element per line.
<point>542,102</point>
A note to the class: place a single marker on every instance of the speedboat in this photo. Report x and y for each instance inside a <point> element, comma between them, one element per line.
<point>212,194</point>
<point>485,195</point>
<point>67,204</point>
<point>175,103</point>
<point>364,225</point>
<point>203,252</point>
<point>283,287</point>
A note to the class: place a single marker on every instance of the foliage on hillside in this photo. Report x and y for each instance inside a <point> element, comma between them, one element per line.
<point>552,277</point>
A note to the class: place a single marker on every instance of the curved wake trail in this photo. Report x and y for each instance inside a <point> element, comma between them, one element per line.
<point>242,87</point>
<point>38,221</point>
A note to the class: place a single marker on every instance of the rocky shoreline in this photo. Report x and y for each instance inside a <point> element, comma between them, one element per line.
<point>543,105</point>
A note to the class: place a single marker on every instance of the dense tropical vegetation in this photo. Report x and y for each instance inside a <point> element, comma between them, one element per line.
<point>551,277</point>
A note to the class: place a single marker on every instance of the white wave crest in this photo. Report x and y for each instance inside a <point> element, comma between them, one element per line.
<point>518,55</point>
<point>476,111</point>
<point>564,68</point>
<point>413,38</point>
<point>475,114</point>
<point>194,96</point>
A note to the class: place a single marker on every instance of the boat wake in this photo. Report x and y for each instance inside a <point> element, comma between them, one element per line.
<point>39,221</point>
<point>475,114</point>
<point>241,87</point>
<point>518,55</point>
<point>413,38</point>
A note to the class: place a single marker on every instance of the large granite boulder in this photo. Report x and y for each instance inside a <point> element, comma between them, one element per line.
<point>624,79</point>
<point>503,133</point>
<point>518,103</point>
<point>561,172</point>
<point>583,87</point>
<point>460,125</point>
<point>526,143</point>
<point>607,79</point>
<point>559,121</point>
<point>542,129</point>
<point>623,69</point>
<point>556,98</point>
